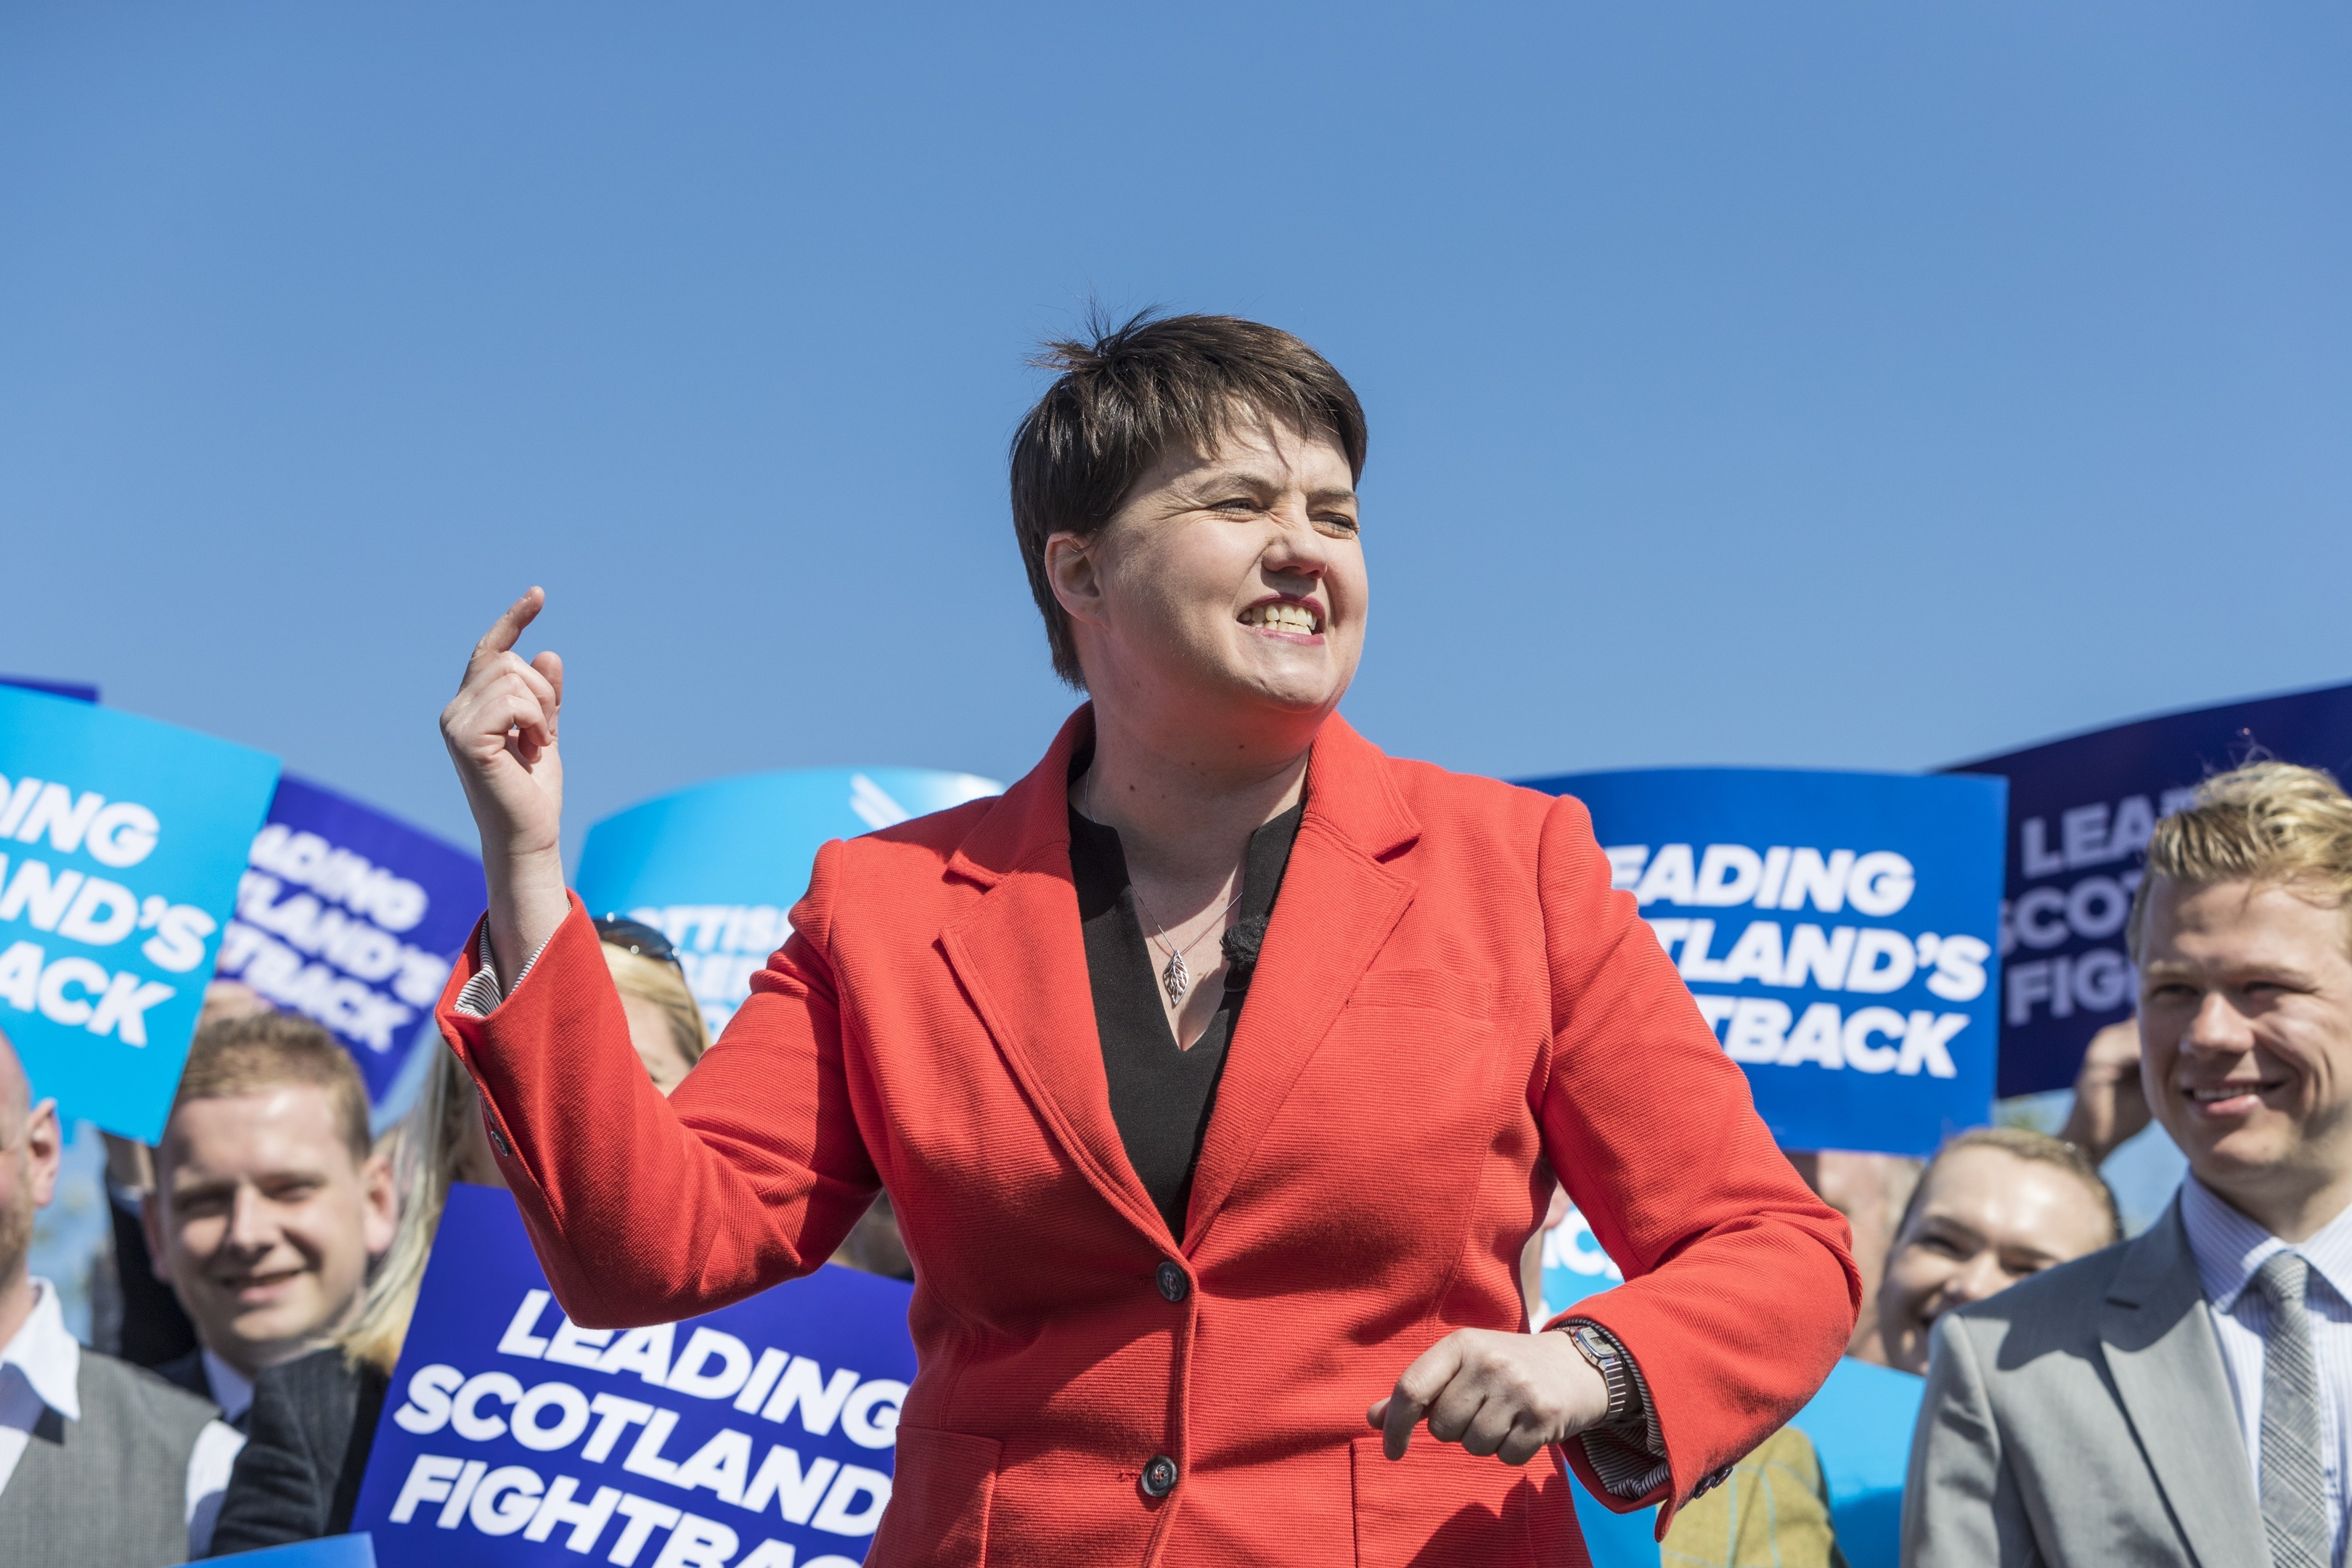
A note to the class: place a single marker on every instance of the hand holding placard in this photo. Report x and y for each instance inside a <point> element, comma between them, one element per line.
<point>500,729</point>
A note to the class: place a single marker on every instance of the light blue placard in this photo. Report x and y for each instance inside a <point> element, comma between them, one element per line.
<point>120,843</point>
<point>717,868</point>
<point>1861,1426</point>
<point>331,1551</point>
<point>1837,930</point>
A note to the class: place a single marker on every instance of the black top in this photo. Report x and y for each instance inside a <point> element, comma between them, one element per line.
<point>308,1436</point>
<point>1161,1095</point>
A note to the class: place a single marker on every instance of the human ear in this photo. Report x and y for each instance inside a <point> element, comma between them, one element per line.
<point>44,1149</point>
<point>381,1211</point>
<point>1075,577</point>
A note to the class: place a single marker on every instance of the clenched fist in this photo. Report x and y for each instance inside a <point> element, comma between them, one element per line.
<point>1507,1395</point>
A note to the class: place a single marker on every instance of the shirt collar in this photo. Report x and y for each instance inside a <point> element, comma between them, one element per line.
<point>231,1389</point>
<point>2230,1248</point>
<point>47,1356</point>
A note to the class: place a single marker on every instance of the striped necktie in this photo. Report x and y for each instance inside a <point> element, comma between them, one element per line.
<point>2294,1482</point>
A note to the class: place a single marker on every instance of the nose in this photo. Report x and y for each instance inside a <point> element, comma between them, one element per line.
<point>2219,1027</point>
<point>1980,1277</point>
<point>249,1229</point>
<point>1298,549</point>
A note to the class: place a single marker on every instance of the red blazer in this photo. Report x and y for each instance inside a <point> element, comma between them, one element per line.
<point>1449,999</point>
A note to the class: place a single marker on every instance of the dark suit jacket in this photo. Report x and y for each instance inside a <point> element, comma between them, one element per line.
<point>1449,998</point>
<point>307,1441</point>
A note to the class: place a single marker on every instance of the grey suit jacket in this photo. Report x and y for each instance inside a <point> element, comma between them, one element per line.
<point>2083,1417</point>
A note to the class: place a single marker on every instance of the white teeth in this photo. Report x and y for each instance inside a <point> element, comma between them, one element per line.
<point>1281,618</point>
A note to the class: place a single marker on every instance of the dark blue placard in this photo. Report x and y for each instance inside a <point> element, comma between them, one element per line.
<point>73,690</point>
<point>1836,928</point>
<point>2080,812</point>
<point>121,838</point>
<point>759,1435</point>
<point>351,916</point>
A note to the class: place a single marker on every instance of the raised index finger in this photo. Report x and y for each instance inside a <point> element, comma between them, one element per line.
<point>508,626</point>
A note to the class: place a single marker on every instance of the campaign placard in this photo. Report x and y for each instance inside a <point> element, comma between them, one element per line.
<point>327,1551</point>
<point>347,915</point>
<point>1838,930</point>
<point>717,868</point>
<point>80,691</point>
<point>2081,811</point>
<point>759,1435</point>
<point>120,840</point>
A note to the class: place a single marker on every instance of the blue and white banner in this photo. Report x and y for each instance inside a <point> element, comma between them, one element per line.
<point>717,868</point>
<point>120,840</point>
<point>2080,812</point>
<point>1836,928</point>
<point>759,1435</point>
<point>351,917</point>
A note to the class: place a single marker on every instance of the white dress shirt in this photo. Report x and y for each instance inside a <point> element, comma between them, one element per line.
<point>2230,1250</point>
<point>40,1368</point>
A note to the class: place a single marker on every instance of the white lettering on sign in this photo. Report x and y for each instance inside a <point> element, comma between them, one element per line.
<point>1764,1030</point>
<point>558,1416</point>
<point>116,836</point>
<point>306,957</point>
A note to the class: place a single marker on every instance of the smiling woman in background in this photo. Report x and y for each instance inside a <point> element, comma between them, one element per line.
<point>1998,1204</point>
<point>1258,1047</point>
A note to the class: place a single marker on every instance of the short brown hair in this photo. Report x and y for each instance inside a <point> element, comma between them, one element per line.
<point>2265,822</point>
<point>1126,394</point>
<point>2024,1143</point>
<point>265,1050</point>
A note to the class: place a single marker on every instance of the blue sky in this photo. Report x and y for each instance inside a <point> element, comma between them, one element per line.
<point>1833,385</point>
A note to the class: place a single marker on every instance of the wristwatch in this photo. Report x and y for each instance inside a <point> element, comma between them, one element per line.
<point>1606,1359</point>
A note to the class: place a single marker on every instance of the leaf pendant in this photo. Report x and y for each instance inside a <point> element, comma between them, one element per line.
<point>1176,979</point>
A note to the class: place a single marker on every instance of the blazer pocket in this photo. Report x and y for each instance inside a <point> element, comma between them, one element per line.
<point>940,1499</point>
<point>1438,1507</point>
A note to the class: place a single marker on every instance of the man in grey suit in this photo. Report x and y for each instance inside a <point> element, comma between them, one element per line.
<point>2184,1398</point>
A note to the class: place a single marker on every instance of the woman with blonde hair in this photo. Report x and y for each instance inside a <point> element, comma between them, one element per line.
<point>313,1420</point>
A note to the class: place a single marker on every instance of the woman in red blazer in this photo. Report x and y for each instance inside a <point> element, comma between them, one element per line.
<point>1188,1273</point>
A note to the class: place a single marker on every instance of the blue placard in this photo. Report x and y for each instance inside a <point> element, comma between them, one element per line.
<point>79,691</point>
<point>351,917</point>
<point>717,868</point>
<point>1837,930</point>
<point>121,841</point>
<point>329,1551</point>
<point>759,1435</point>
<point>2080,812</point>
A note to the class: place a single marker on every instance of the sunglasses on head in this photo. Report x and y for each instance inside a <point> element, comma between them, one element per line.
<point>636,936</point>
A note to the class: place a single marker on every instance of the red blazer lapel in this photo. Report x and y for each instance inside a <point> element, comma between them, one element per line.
<point>1022,963</point>
<point>1337,905</point>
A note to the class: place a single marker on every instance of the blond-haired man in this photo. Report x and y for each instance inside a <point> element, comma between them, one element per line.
<point>2183,1398</point>
<point>269,1201</point>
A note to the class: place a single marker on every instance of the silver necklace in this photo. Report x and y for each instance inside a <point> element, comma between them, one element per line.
<point>1175,979</point>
